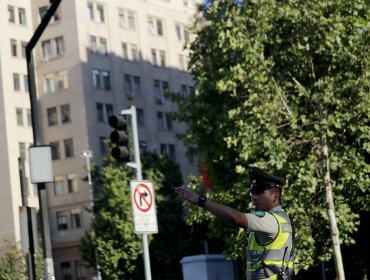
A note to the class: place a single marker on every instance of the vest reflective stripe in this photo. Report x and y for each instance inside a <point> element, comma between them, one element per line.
<point>264,262</point>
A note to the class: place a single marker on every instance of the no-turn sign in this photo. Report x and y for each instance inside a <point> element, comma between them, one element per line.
<point>143,206</point>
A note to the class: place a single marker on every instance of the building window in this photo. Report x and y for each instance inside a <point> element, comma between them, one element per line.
<point>160,120</point>
<point>19,113</point>
<point>46,49</point>
<point>52,116</point>
<point>169,150</point>
<point>13,47</point>
<point>159,27</point>
<point>184,91</point>
<point>80,270</point>
<point>23,46</point>
<point>155,26</point>
<point>65,268</point>
<point>103,146</point>
<point>182,33</point>
<point>128,86</point>
<point>162,58</point>
<point>109,110</point>
<point>49,83</point>
<point>126,19</point>
<point>22,150</point>
<point>140,117</point>
<point>164,121</point>
<point>100,13</point>
<point>55,150</point>
<point>29,117</point>
<point>58,185</point>
<point>44,9</point>
<point>42,12</point>
<point>11,14</point>
<point>90,11</point>
<point>68,148</point>
<point>61,80</point>
<point>131,20</point>
<point>130,52</point>
<point>181,62</point>
<point>99,112</point>
<point>103,46</point>
<point>188,3</point>
<point>16,82</point>
<point>25,83</point>
<point>157,90</point>
<point>61,221</point>
<point>48,45</point>
<point>135,55</point>
<point>124,51</point>
<point>160,87</point>
<point>22,16</point>
<point>98,45</point>
<point>154,57</point>
<point>59,43</point>
<point>101,79</point>
<point>72,183</point>
<point>137,85</point>
<point>168,118</point>
<point>75,218</point>
<point>178,31</point>
<point>93,44</point>
<point>143,147</point>
<point>65,113</point>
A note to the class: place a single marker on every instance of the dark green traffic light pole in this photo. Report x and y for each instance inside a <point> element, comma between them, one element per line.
<point>45,232</point>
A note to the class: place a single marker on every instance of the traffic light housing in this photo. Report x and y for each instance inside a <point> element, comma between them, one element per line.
<point>120,138</point>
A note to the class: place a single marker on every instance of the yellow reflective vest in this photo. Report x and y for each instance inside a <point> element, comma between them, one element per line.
<point>272,261</point>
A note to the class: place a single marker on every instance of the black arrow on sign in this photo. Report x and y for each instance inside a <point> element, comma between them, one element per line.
<point>144,194</point>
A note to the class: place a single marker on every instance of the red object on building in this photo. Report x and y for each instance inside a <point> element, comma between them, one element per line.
<point>206,179</point>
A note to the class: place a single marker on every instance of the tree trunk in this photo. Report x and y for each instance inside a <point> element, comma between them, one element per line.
<point>331,211</point>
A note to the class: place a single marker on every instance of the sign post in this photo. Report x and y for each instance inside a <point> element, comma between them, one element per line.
<point>139,177</point>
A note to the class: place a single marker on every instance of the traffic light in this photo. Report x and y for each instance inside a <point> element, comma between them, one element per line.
<point>119,137</point>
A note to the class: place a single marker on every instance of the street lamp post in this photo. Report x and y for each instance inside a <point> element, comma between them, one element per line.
<point>88,154</point>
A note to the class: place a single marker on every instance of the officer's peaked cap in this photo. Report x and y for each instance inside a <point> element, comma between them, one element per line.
<point>262,181</point>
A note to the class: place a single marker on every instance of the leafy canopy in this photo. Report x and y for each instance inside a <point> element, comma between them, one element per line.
<point>274,77</point>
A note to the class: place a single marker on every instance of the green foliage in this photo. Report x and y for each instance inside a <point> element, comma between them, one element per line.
<point>119,248</point>
<point>39,264</point>
<point>112,232</point>
<point>272,78</point>
<point>173,240</point>
<point>13,264</point>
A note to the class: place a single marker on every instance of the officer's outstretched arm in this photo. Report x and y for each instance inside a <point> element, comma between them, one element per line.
<point>224,213</point>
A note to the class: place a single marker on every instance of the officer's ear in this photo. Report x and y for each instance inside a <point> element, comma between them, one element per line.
<point>275,194</point>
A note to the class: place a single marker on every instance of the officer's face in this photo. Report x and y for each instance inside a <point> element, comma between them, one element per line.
<point>263,200</point>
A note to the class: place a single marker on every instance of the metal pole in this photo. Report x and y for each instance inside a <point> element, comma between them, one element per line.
<point>139,176</point>
<point>31,249</point>
<point>48,261</point>
<point>87,154</point>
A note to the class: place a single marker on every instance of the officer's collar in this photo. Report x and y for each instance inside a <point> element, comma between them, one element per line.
<point>276,209</point>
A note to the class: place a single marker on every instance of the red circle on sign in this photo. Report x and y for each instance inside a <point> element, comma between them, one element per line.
<point>143,199</point>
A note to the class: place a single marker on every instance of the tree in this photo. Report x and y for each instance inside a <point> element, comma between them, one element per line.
<point>284,85</point>
<point>13,264</point>
<point>113,236</point>
<point>119,247</point>
<point>173,240</point>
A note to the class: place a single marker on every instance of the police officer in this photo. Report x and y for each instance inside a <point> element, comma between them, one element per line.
<point>270,242</point>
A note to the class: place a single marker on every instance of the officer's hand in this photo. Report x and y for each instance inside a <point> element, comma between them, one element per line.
<point>187,195</point>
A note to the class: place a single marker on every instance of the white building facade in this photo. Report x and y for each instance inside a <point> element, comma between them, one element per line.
<point>94,59</point>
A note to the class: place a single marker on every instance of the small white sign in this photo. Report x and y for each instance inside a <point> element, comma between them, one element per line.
<point>143,207</point>
<point>41,168</point>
